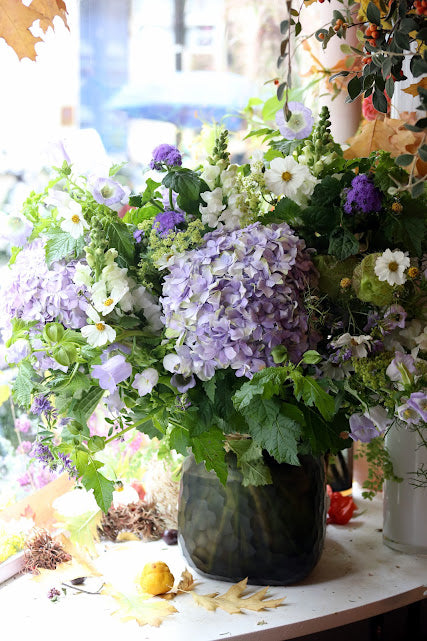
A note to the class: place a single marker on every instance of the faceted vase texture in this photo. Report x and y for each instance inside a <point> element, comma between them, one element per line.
<point>272,534</point>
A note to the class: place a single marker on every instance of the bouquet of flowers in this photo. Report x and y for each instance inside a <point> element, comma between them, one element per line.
<point>251,309</point>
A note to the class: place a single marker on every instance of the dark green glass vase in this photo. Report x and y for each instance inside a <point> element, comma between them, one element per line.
<point>272,534</point>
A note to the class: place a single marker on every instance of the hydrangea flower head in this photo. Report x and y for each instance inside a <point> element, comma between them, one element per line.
<point>363,196</point>
<point>300,123</point>
<point>165,155</point>
<point>231,301</point>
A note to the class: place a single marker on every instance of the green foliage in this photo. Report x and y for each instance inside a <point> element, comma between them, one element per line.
<point>61,245</point>
<point>24,384</point>
<point>380,467</point>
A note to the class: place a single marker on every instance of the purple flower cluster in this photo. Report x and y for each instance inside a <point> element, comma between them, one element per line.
<point>167,221</point>
<point>165,155</point>
<point>43,454</point>
<point>35,292</point>
<point>363,196</point>
<point>231,301</point>
<point>42,406</point>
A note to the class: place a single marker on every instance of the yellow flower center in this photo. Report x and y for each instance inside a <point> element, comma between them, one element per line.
<point>345,283</point>
<point>100,327</point>
<point>286,176</point>
<point>393,266</point>
<point>108,302</point>
<point>75,218</point>
<point>413,272</point>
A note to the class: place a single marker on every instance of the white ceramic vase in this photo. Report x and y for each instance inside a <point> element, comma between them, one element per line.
<point>405,505</point>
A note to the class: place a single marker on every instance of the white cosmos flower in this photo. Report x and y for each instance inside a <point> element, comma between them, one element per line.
<point>359,345</point>
<point>105,302</point>
<point>145,381</point>
<point>99,333</point>
<point>69,210</point>
<point>390,266</point>
<point>286,177</point>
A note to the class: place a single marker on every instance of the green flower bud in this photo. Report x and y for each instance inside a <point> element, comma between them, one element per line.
<point>367,286</point>
<point>65,354</point>
<point>53,332</point>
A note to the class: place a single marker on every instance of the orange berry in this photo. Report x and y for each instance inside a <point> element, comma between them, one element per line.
<point>321,36</point>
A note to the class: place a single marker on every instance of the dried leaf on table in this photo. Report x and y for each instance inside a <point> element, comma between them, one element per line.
<point>82,529</point>
<point>144,609</point>
<point>233,602</point>
<point>186,584</point>
<point>78,567</point>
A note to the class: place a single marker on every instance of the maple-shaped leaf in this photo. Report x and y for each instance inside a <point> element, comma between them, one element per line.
<point>233,601</point>
<point>82,529</point>
<point>142,608</point>
<point>16,20</point>
<point>388,134</point>
<point>412,90</point>
<point>186,583</point>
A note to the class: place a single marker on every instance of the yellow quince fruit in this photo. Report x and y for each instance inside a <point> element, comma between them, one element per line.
<point>156,578</point>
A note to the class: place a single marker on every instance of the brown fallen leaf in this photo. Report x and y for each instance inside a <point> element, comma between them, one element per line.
<point>186,584</point>
<point>142,608</point>
<point>387,134</point>
<point>16,20</point>
<point>127,536</point>
<point>412,90</point>
<point>233,602</point>
<point>66,572</point>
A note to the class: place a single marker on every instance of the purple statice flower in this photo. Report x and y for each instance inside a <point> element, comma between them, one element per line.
<point>138,234</point>
<point>402,365</point>
<point>107,191</point>
<point>232,300</point>
<point>67,465</point>
<point>418,402</point>
<point>182,402</point>
<point>363,196</point>
<point>300,123</point>
<point>43,454</point>
<point>394,316</point>
<point>165,155</point>
<point>41,405</point>
<point>112,372</point>
<point>167,221</point>
<point>23,424</point>
<point>34,291</point>
<point>362,428</point>
<point>53,594</point>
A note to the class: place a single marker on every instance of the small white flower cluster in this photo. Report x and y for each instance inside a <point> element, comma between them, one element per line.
<point>70,211</point>
<point>114,290</point>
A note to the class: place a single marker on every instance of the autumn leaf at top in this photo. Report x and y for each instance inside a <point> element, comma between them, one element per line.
<point>233,602</point>
<point>16,20</point>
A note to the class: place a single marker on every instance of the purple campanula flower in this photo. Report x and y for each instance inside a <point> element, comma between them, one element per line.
<point>113,371</point>
<point>165,155</point>
<point>300,123</point>
<point>394,316</point>
<point>183,383</point>
<point>363,196</point>
<point>408,415</point>
<point>167,221</point>
<point>107,191</point>
<point>362,428</point>
<point>401,367</point>
<point>418,402</point>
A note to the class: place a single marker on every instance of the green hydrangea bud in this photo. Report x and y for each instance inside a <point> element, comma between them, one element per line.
<point>65,354</point>
<point>53,332</point>
<point>367,286</point>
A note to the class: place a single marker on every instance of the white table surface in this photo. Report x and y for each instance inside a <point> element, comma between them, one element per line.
<point>356,578</point>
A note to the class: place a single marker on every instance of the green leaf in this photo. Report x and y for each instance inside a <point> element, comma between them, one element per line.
<point>286,210</point>
<point>20,329</point>
<point>179,441</point>
<point>284,26</point>
<point>208,447</point>
<point>251,462</point>
<point>354,87</point>
<point>309,390</point>
<point>379,101</point>
<point>23,384</point>
<point>210,387</point>
<point>422,152</point>
<point>101,486</point>
<point>267,383</point>
<point>61,245</point>
<point>373,14</point>
<point>274,431</point>
<point>82,528</point>
<point>311,357</point>
<point>120,237</point>
<point>84,407</point>
<point>342,244</point>
<point>404,159</point>
<point>184,182</point>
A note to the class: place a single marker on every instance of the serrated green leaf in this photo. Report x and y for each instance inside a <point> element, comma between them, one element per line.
<point>20,329</point>
<point>309,390</point>
<point>265,383</point>
<point>179,441</point>
<point>184,182</point>
<point>342,244</point>
<point>102,487</point>
<point>251,462</point>
<point>61,245</point>
<point>208,447</point>
<point>82,528</point>
<point>210,387</point>
<point>120,237</point>
<point>24,384</point>
<point>84,407</point>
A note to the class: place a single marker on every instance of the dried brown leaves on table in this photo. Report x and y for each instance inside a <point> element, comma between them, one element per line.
<point>186,584</point>
<point>16,20</point>
<point>43,551</point>
<point>142,519</point>
<point>79,567</point>
<point>233,601</point>
<point>143,609</point>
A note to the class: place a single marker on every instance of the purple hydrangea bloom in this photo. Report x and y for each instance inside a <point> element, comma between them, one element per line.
<point>231,301</point>
<point>34,291</point>
<point>362,428</point>
<point>167,221</point>
<point>113,371</point>
<point>18,351</point>
<point>107,191</point>
<point>165,155</point>
<point>363,196</point>
<point>418,402</point>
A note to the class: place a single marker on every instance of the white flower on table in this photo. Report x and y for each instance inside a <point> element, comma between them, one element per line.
<point>99,333</point>
<point>391,266</point>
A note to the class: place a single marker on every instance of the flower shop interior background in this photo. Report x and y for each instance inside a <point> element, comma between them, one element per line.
<point>105,87</point>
